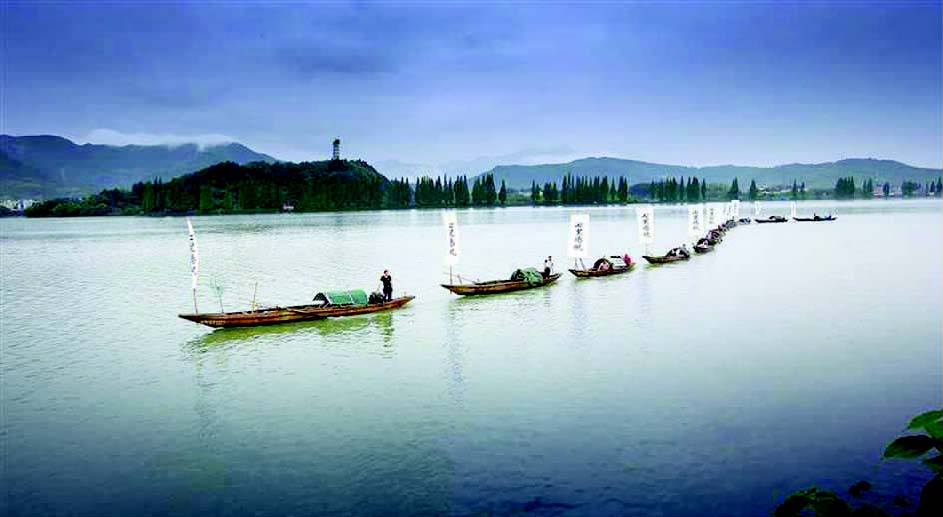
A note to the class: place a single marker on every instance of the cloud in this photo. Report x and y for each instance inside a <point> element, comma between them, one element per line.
<point>309,62</point>
<point>111,137</point>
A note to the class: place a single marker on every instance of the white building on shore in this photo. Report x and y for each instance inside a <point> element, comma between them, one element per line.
<point>17,205</point>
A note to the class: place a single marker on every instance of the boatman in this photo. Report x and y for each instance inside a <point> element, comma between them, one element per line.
<point>387,282</point>
<point>548,267</point>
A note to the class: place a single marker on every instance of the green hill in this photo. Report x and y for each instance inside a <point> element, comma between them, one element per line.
<point>46,166</point>
<point>816,175</point>
<point>229,187</point>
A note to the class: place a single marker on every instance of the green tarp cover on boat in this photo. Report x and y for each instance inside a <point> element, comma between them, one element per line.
<point>528,274</point>
<point>352,297</point>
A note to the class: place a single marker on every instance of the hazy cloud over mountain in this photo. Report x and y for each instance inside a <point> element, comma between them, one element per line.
<point>112,137</point>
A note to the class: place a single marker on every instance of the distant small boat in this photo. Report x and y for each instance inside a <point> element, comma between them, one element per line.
<point>616,266</point>
<point>744,220</point>
<point>328,305</point>
<point>520,280</point>
<point>814,219</point>
<point>703,248</point>
<point>664,259</point>
<point>772,219</point>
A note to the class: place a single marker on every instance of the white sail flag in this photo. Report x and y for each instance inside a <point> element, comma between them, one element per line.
<point>736,208</point>
<point>711,215</point>
<point>646,223</point>
<point>579,236</point>
<point>756,209</point>
<point>792,208</point>
<point>194,256</point>
<point>451,228</point>
<point>695,220</point>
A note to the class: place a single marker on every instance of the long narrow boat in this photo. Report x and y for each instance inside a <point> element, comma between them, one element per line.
<point>772,219</point>
<point>701,248</point>
<point>814,219</point>
<point>664,259</point>
<point>295,313</point>
<point>744,220</point>
<point>596,272</point>
<point>501,286</point>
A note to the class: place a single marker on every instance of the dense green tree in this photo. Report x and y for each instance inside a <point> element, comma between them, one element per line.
<point>206,198</point>
<point>845,188</point>
<point>734,192</point>
<point>503,193</point>
<point>754,192</point>
<point>550,193</point>
<point>867,189</point>
<point>461,192</point>
<point>491,193</point>
<point>908,188</point>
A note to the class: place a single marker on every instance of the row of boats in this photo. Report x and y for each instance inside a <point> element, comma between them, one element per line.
<point>349,303</point>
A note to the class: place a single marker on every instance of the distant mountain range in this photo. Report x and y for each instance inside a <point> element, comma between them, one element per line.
<point>49,166</point>
<point>815,175</point>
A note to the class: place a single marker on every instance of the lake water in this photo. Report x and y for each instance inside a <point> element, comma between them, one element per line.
<point>787,358</point>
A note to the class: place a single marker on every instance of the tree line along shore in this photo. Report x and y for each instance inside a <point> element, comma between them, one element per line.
<point>336,185</point>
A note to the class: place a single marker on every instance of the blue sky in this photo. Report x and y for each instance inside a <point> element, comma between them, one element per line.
<point>695,83</point>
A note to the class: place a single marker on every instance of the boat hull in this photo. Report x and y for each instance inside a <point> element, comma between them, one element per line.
<point>664,259</point>
<point>280,315</point>
<point>812,220</point>
<point>763,221</point>
<point>498,286</point>
<point>594,273</point>
<point>703,249</point>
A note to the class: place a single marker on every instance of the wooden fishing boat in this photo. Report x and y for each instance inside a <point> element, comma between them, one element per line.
<point>504,286</point>
<point>664,259</point>
<point>745,220</point>
<point>292,314</point>
<point>617,266</point>
<point>813,219</point>
<point>772,219</point>
<point>702,248</point>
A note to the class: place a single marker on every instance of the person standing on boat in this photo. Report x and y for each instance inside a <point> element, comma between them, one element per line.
<point>387,282</point>
<point>548,267</point>
<point>627,259</point>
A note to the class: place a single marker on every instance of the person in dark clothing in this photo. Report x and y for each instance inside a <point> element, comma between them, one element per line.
<point>387,282</point>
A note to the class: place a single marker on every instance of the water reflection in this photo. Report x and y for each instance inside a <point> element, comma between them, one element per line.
<point>380,324</point>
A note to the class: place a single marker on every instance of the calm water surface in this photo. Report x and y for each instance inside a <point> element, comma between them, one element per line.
<point>787,358</point>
